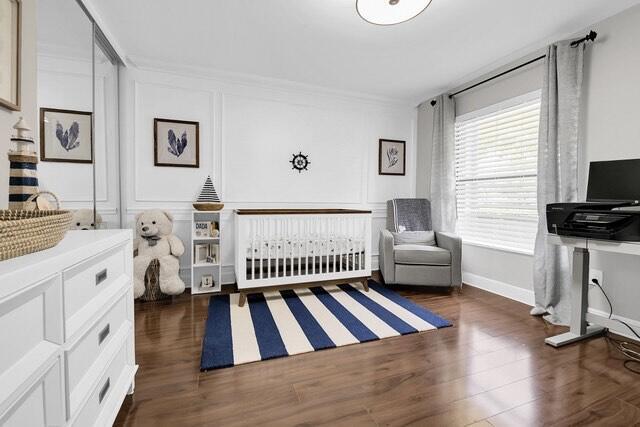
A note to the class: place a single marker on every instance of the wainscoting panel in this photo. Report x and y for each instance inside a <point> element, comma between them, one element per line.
<point>248,134</point>
<point>257,166</point>
<point>176,184</point>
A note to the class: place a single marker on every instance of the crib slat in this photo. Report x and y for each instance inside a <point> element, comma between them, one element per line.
<point>276,246</point>
<point>314,246</point>
<point>356,246</point>
<point>333,247</point>
<point>328,248</point>
<point>252,227</point>
<point>261,245</point>
<point>292,233</point>
<point>298,247</point>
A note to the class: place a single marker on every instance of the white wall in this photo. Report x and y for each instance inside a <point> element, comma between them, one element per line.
<point>28,96</point>
<point>610,131</point>
<point>248,133</point>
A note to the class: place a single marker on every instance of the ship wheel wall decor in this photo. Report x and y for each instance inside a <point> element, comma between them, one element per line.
<point>300,162</point>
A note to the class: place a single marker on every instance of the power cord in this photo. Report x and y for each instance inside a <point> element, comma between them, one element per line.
<point>629,350</point>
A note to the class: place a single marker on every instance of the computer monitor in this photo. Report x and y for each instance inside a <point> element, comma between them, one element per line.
<point>614,181</point>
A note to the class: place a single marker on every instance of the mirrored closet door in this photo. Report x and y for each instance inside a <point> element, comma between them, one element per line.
<point>78,114</point>
<point>105,118</point>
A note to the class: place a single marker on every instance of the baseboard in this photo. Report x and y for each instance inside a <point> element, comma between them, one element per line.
<point>506,290</point>
<point>601,318</point>
<point>526,296</point>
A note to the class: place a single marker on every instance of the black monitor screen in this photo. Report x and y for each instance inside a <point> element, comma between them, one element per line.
<point>617,180</point>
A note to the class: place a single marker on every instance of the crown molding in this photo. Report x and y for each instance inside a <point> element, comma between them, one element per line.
<point>252,80</point>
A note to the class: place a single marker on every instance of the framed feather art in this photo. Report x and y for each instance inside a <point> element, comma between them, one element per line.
<point>66,136</point>
<point>176,143</point>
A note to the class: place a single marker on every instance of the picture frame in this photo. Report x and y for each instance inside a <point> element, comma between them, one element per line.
<point>206,281</point>
<point>200,253</point>
<point>10,53</point>
<point>392,157</point>
<point>176,143</point>
<point>64,135</point>
<point>202,229</point>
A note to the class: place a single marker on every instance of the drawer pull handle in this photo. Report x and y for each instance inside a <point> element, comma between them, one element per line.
<point>104,390</point>
<point>104,333</point>
<point>101,277</point>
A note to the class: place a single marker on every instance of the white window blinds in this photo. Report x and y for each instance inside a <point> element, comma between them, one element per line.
<point>496,164</point>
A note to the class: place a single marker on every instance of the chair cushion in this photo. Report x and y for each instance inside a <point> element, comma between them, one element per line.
<point>421,255</point>
<point>414,238</point>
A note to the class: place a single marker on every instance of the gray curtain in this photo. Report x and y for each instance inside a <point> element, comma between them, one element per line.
<point>443,174</point>
<point>557,175</point>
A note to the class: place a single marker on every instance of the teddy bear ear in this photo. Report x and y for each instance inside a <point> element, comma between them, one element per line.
<point>138,215</point>
<point>168,215</point>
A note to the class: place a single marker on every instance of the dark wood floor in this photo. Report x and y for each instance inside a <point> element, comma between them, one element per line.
<point>491,368</point>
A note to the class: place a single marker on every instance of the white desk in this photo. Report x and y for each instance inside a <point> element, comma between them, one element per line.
<point>579,326</point>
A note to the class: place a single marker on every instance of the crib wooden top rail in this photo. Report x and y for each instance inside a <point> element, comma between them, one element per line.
<point>299,211</point>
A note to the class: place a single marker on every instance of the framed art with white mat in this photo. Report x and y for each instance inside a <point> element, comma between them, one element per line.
<point>176,143</point>
<point>66,136</point>
<point>392,157</point>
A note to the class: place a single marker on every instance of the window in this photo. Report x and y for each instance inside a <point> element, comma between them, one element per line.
<point>496,152</point>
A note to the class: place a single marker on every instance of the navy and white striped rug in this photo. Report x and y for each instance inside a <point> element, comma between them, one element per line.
<point>277,324</point>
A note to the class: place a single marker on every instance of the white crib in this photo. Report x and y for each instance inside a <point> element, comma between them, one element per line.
<point>280,248</point>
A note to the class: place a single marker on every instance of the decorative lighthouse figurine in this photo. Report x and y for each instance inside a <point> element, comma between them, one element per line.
<point>23,179</point>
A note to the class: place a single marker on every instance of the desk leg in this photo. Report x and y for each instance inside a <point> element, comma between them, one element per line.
<point>579,329</point>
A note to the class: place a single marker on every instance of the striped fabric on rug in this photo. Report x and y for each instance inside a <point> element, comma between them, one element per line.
<point>277,324</point>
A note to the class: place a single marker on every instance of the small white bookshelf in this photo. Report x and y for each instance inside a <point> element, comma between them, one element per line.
<point>202,242</point>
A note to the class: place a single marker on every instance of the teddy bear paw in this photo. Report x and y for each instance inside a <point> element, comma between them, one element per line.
<point>173,286</point>
<point>138,288</point>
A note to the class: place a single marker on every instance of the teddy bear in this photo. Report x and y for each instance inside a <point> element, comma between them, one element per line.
<point>155,240</point>
<point>83,220</point>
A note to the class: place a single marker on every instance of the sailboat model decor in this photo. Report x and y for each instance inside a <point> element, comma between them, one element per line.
<point>208,199</point>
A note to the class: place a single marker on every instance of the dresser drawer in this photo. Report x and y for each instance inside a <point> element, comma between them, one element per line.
<point>85,354</point>
<point>108,388</point>
<point>86,282</point>
<point>30,333</point>
<point>41,404</point>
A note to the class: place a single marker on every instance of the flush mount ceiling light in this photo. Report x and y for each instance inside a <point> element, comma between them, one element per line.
<point>390,12</point>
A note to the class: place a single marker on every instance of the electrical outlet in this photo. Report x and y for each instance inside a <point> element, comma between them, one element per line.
<point>595,274</point>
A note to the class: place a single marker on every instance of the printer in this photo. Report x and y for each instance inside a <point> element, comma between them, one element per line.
<point>612,209</point>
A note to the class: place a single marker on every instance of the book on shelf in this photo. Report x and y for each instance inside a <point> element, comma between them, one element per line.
<point>206,229</point>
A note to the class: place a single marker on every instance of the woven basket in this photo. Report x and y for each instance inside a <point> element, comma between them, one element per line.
<point>24,232</point>
<point>152,290</point>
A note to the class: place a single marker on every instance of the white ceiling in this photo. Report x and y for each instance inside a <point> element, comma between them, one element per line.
<point>63,28</point>
<point>325,43</point>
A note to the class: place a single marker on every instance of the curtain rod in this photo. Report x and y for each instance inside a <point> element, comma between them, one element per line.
<point>589,37</point>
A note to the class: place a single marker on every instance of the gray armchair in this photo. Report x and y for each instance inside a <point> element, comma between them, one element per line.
<point>423,263</point>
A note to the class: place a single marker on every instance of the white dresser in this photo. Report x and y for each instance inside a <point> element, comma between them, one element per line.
<point>66,332</point>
